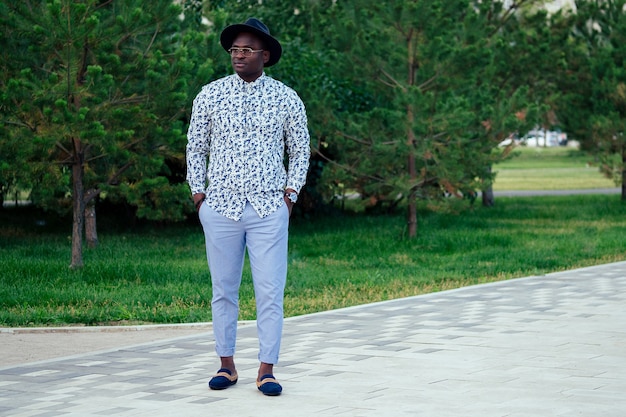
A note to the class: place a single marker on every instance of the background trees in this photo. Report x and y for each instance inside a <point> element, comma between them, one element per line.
<point>95,98</point>
<point>407,101</point>
<point>594,85</point>
<point>421,93</point>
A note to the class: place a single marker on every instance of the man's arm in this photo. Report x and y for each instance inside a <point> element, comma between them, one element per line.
<point>198,148</point>
<point>298,145</point>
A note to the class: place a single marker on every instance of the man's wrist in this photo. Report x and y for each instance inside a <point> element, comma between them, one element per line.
<point>198,199</point>
<point>291,195</point>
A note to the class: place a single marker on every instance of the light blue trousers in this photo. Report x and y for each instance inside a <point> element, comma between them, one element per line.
<point>266,242</point>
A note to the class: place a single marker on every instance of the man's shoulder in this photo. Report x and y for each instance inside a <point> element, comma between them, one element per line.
<point>226,80</point>
<point>219,83</point>
<point>274,83</point>
<point>283,89</point>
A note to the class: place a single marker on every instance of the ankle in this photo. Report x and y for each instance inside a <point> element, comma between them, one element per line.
<point>227,362</point>
<point>265,369</point>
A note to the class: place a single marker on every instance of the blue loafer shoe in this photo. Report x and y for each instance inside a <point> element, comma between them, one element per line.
<point>269,386</point>
<point>223,379</point>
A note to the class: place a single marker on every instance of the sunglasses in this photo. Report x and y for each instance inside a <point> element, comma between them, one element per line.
<point>243,51</point>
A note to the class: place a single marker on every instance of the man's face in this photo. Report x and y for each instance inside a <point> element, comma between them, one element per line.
<point>249,68</point>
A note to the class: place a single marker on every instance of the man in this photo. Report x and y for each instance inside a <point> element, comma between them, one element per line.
<point>243,124</point>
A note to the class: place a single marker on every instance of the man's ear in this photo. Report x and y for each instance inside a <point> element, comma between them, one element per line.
<point>266,56</point>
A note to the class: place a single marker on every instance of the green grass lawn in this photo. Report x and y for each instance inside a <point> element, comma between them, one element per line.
<point>157,274</point>
<point>555,168</point>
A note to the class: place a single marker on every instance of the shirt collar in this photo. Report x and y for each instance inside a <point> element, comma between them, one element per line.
<point>241,83</point>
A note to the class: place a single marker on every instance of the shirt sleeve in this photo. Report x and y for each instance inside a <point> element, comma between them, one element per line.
<point>297,142</point>
<point>198,141</point>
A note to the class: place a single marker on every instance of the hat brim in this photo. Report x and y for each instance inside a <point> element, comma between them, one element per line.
<point>273,46</point>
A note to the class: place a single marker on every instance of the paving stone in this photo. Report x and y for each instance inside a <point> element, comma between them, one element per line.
<point>552,345</point>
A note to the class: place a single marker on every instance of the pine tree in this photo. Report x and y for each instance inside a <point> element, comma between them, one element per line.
<point>443,98</point>
<point>594,84</point>
<point>97,98</point>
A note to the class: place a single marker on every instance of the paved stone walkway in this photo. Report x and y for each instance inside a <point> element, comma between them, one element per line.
<point>552,345</point>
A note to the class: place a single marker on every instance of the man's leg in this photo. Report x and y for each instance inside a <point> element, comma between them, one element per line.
<point>267,240</point>
<point>225,246</point>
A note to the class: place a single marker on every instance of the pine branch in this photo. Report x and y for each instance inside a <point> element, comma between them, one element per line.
<point>64,149</point>
<point>354,139</point>
<point>113,180</point>
<point>347,167</point>
<point>20,124</point>
<point>393,80</point>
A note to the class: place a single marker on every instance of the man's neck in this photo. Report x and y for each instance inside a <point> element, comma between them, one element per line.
<point>251,79</point>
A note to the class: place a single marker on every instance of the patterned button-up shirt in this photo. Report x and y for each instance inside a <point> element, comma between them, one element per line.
<point>244,129</point>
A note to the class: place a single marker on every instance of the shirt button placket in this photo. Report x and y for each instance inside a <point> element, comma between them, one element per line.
<point>247,127</point>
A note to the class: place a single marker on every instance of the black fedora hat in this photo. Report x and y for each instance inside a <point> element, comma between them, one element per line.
<point>256,27</point>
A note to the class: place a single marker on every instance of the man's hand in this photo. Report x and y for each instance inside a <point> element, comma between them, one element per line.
<point>198,199</point>
<point>287,200</point>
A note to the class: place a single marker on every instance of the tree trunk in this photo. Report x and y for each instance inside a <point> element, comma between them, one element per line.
<point>78,163</point>
<point>488,198</point>
<point>487,192</point>
<point>91,231</point>
<point>412,214</point>
<point>78,205</point>
<point>624,175</point>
